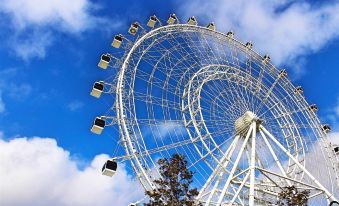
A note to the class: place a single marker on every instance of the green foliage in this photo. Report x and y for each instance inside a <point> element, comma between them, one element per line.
<point>174,184</point>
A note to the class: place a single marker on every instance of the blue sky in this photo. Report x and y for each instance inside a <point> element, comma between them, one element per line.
<point>49,51</point>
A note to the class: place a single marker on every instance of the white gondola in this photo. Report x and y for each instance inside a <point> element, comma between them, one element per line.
<point>172,19</point>
<point>230,34</point>
<point>117,41</point>
<point>97,89</point>
<point>133,29</point>
<point>109,168</point>
<point>152,21</point>
<point>313,108</point>
<point>211,26</point>
<point>98,125</point>
<point>249,45</point>
<point>326,128</point>
<point>192,21</point>
<point>104,61</point>
<point>266,59</point>
<point>283,73</point>
<point>298,90</point>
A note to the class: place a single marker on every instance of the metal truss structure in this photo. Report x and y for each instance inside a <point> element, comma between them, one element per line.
<point>245,129</point>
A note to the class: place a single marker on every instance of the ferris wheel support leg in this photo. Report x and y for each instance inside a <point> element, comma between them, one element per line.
<point>328,194</point>
<point>235,165</point>
<point>275,157</point>
<point>252,166</point>
<point>227,156</point>
<point>239,189</point>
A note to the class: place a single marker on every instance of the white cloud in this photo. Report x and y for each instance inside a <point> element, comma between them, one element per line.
<point>334,138</point>
<point>163,130</point>
<point>287,30</point>
<point>170,128</point>
<point>37,171</point>
<point>20,91</point>
<point>75,105</point>
<point>34,23</point>
<point>32,44</point>
<point>72,16</point>
<point>332,116</point>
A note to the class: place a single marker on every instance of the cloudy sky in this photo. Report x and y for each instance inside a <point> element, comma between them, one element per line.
<point>49,50</point>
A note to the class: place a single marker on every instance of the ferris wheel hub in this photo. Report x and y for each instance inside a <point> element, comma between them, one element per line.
<point>243,123</point>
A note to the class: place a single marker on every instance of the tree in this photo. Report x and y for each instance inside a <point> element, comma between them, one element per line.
<point>173,187</point>
<point>290,196</point>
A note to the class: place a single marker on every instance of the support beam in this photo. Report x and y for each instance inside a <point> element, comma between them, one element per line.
<point>226,157</point>
<point>275,157</point>
<point>263,171</point>
<point>230,176</point>
<point>252,166</point>
<point>328,194</point>
<point>240,188</point>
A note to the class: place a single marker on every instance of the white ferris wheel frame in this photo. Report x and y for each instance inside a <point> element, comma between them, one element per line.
<point>249,138</point>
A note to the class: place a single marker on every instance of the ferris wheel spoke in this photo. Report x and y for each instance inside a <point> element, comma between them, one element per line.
<point>156,101</point>
<point>248,63</point>
<point>157,82</point>
<point>159,65</point>
<point>241,96</point>
<point>195,51</point>
<point>236,97</point>
<point>210,48</point>
<point>247,96</point>
<point>267,95</point>
<point>289,125</point>
<point>222,104</point>
<point>259,80</point>
<point>292,113</point>
<point>177,46</point>
<point>185,42</point>
<point>221,197</point>
<point>175,61</point>
<point>203,157</point>
<point>223,112</point>
<point>157,150</point>
<point>221,100</point>
<point>212,100</point>
<point>159,122</point>
<point>275,105</point>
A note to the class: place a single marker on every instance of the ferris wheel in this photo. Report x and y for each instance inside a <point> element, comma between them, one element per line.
<point>246,131</point>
